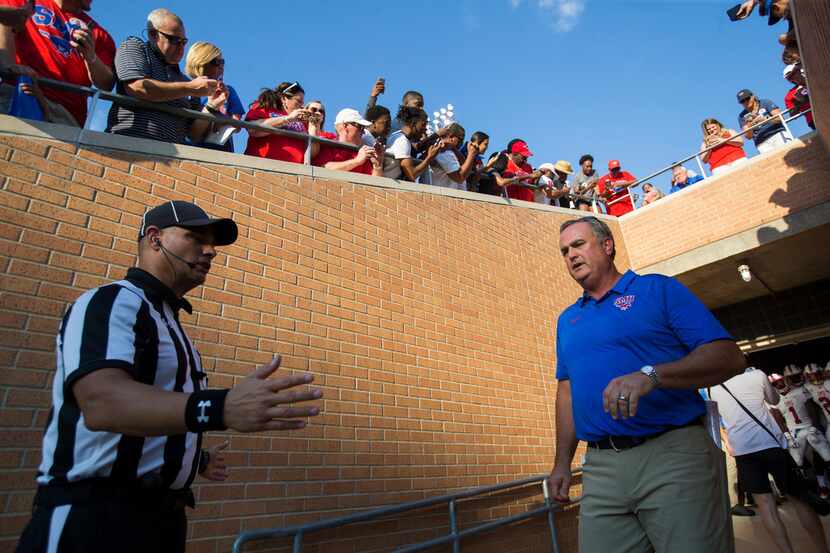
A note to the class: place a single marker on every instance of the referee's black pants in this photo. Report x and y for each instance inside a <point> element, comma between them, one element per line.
<point>106,520</point>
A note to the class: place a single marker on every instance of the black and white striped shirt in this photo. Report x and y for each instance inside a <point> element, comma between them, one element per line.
<point>134,60</point>
<point>131,324</point>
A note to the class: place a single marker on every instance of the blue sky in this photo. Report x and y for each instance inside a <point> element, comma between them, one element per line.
<point>620,79</point>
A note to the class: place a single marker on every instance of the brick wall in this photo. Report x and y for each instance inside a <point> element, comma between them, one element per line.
<point>768,188</point>
<point>427,320</point>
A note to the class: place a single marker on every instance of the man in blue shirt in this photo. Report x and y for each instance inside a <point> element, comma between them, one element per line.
<point>631,354</point>
<point>769,135</point>
<point>680,179</point>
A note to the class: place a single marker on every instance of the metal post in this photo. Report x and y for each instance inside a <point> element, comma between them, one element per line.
<point>298,543</point>
<point>307,157</point>
<point>700,165</point>
<point>89,114</point>
<point>456,541</point>
<point>554,541</point>
<point>786,127</point>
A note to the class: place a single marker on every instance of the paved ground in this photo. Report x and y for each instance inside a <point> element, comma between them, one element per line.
<point>751,537</point>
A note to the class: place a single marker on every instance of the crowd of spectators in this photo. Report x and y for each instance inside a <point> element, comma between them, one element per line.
<point>59,40</point>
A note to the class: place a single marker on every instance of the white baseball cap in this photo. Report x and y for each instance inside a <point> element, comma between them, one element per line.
<point>548,166</point>
<point>350,115</point>
<point>789,69</point>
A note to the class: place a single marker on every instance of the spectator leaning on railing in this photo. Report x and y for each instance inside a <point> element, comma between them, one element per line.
<point>449,169</point>
<point>680,179</point>
<point>798,97</point>
<point>413,122</point>
<point>59,41</point>
<point>613,187</point>
<point>772,133</point>
<point>350,127</point>
<point>479,141</point>
<point>730,152</point>
<point>281,108</point>
<point>518,171</point>
<point>381,120</point>
<point>317,120</point>
<point>205,60</point>
<point>583,185</point>
<point>651,193</point>
<point>149,71</point>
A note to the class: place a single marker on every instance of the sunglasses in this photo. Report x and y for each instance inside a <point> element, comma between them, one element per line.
<point>173,39</point>
<point>217,62</point>
<point>317,110</point>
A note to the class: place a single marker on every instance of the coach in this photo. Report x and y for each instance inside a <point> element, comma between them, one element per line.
<point>631,353</point>
<point>130,401</point>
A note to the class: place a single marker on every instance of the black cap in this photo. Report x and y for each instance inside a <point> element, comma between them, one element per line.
<point>744,94</point>
<point>185,214</point>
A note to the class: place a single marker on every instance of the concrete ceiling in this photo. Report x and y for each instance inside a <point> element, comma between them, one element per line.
<point>782,264</point>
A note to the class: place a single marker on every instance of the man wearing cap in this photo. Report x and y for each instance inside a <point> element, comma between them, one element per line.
<point>350,126</point>
<point>770,132</point>
<point>519,168</point>
<point>613,187</point>
<point>555,179</point>
<point>130,402</point>
<point>631,353</point>
<point>798,98</point>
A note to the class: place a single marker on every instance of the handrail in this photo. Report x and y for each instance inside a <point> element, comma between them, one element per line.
<point>455,536</point>
<point>721,143</point>
<point>98,94</point>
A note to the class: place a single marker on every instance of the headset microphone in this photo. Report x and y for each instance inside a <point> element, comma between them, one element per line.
<point>183,260</point>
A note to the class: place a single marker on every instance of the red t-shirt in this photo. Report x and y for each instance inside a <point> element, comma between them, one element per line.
<point>332,153</point>
<point>327,134</point>
<point>43,45</point>
<point>789,101</point>
<point>519,192</point>
<point>725,154</point>
<point>616,205</point>
<point>274,146</point>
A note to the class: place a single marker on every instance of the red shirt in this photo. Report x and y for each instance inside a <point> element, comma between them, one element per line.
<point>332,153</point>
<point>725,154</point>
<point>43,45</point>
<point>616,205</point>
<point>519,192</point>
<point>274,146</point>
<point>789,101</point>
<point>327,134</point>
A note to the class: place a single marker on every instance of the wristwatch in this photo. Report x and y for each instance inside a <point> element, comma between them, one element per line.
<point>651,373</point>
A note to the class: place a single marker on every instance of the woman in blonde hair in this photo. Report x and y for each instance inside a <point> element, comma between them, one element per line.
<point>728,154</point>
<point>205,59</point>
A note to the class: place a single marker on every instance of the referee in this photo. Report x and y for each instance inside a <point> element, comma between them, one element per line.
<point>130,401</point>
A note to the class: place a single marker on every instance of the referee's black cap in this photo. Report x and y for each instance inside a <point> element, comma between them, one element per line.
<point>177,213</point>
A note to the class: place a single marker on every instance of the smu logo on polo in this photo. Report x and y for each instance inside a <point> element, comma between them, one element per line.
<point>624,303</point>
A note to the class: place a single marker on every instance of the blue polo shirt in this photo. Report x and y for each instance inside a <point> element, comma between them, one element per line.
<point>689,181</point>
<point>642,320</point>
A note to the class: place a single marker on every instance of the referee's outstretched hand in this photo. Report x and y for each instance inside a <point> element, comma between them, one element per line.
<point>258,403</point>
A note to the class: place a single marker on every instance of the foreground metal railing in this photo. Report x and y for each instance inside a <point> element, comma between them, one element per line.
<point>455,536</point>
<point>98,95</point>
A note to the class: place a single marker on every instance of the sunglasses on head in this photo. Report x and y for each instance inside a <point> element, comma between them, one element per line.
<point>292,86</point>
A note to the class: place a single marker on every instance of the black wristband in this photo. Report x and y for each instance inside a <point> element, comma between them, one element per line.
<point>205,410</point>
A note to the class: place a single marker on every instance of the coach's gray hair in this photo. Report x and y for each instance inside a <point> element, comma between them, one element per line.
<point>157,17</point>
<point>599,228</point>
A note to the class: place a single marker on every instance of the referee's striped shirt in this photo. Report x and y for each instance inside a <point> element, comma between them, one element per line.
<point>133,325</point>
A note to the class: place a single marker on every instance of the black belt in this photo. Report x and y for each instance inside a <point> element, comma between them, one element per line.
<point>96,490</point>
<point>619,443</point>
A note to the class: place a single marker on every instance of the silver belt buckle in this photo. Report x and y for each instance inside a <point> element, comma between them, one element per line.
<point>613,446</point>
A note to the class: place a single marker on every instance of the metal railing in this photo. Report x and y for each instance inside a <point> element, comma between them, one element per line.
<point>298,533</point>
<point>698,155</point>
<point>98,95</point>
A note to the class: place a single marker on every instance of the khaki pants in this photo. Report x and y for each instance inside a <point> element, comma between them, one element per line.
<point>666,495</point>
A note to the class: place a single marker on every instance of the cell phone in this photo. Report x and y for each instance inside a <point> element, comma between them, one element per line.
<point>732,13</point>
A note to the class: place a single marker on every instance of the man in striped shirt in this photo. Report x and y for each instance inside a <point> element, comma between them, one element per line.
<point>150,71</point>
<point>129,403</point>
